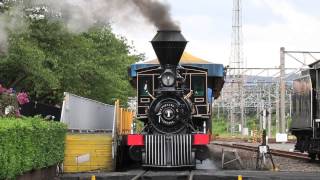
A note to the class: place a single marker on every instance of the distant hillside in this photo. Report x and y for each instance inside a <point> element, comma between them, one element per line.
<point>249,79</point>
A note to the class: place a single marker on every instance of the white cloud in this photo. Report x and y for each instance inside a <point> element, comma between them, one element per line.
<point>198,30</point>
<point>202,34</point>
<point>294,30</point>
<point>298,31</point>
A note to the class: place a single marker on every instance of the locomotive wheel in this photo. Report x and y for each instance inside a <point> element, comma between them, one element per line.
<point>202,153</point>
<point>120,157</point>
<point>135,153</point>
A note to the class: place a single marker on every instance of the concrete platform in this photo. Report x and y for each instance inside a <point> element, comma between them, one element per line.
<point>198,175</point>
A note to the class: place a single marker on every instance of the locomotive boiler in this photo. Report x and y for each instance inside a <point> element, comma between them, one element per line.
<point>174,105</point>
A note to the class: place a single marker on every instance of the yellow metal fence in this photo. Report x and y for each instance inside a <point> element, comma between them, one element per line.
<point>88,152</point>
<point>124,119</point>
<point>92,152</point>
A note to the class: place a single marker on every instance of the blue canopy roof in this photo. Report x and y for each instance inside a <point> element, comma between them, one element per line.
<point>214,70</point>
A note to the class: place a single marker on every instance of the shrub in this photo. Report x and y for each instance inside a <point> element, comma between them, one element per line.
<point>219,126</point>
<point>29,143</point>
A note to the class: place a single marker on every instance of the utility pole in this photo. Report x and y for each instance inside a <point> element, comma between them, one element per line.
<point>269,114</point>
<point>282,91</point>
<point>260,108</point>
<point>232,121</point>
<point>277,108</point>
<point>264,118</point>
<point>243,124</point>
<point>262,115</point>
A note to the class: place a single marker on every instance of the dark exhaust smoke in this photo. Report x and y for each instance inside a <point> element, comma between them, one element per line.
<point>157,13</point>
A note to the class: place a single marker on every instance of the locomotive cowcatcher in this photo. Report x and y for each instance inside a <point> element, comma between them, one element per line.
<point>174,106</point>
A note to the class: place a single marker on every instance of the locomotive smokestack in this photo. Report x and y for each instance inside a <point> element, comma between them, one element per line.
<point>169,46</point>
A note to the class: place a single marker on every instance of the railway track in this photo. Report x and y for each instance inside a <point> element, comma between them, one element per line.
<point>276,152</point>
<point>191,175</point>
<point>139,176</point>
<point>238,139</point>
<point>142,174</point>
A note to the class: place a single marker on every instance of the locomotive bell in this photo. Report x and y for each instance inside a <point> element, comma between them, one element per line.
<point>169,46</point>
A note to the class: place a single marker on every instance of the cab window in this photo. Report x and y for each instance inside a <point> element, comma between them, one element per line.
<point>198,86</point>
<point>145,81</point>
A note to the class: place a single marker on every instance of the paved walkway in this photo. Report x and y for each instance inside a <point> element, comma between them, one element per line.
<point>198,175</point>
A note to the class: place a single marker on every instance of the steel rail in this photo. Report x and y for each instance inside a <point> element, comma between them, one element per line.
<point>276,152</point>
<point>139,176</point>
<point>262,68</point>
<point>191,175</point>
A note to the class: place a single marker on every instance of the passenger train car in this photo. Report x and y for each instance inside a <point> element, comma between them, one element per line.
<point>306,111</point>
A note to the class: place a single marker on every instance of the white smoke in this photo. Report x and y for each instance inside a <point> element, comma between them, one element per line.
<point>80,15</point>
<point>12,20</point>
<point>3,36</point>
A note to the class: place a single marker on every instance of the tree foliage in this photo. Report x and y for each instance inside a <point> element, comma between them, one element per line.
<point>45,59</point>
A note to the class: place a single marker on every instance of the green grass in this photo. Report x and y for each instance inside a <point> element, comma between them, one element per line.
<point>221,126</point>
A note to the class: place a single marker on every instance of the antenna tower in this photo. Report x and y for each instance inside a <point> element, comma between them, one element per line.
<point>236,72</point>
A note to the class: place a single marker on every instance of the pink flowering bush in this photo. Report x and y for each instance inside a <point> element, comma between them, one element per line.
<point>9,101</point>
<point>22,98</point>
<point>2,89</point>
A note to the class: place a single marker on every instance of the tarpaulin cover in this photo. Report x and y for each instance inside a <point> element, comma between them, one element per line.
<point>214,70</point>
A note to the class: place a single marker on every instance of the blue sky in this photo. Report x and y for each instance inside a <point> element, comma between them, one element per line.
<point>267,25</point>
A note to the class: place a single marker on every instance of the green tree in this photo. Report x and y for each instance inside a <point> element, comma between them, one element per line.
<point>46,60</point>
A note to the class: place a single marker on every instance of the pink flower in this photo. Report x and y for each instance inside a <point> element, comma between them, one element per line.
<point>22,98</point>
<point>2,89</point>
<point>18,113</point>
<point>10,91</point>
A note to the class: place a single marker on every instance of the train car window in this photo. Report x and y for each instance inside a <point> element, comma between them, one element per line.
<point>145,81</point>
<point>198,85</point>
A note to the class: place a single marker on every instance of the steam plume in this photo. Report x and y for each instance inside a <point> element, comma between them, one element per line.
<point>3,37</point>
<point>157,13</point>
<point>80,15</point>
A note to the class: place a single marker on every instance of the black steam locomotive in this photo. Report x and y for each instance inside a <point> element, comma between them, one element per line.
<point>306,111</point>
<point>173,104</point>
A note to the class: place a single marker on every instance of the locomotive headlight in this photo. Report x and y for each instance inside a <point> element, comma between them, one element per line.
<point>168,78</point>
